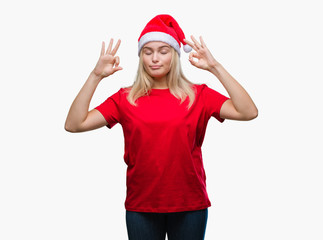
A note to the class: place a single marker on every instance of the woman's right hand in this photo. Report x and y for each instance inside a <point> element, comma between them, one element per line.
<point>108,63</point>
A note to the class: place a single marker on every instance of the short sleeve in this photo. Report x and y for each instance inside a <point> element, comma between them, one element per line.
<point>213,101</point>
<point>110,109</point>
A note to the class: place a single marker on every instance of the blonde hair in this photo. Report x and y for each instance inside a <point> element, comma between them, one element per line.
<point>178,84</point>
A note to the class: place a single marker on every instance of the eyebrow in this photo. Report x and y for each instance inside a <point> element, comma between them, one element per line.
<point>158,48</point>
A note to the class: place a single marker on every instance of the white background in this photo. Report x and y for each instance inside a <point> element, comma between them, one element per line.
<point>264,177</point>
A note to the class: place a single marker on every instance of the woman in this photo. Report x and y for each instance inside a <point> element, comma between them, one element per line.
<point>164,118</point>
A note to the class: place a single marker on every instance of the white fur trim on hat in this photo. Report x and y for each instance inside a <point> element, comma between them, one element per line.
<point>156,37</point>
<point>187,48</point>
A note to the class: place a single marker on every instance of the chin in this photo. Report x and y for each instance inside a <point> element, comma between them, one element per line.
<point>156,74</point>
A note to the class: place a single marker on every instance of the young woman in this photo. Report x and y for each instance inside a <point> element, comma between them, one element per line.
<point>164,118</point>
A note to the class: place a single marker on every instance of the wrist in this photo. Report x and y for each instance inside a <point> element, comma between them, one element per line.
<point>215,68</point>
<point>95,77</point>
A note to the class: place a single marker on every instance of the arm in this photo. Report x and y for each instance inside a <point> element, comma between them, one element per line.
<point>240,106</point>
<point>79,118</point>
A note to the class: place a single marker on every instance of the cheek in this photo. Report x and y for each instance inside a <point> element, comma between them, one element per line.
<point>168,60</point>
<point>145,62</point>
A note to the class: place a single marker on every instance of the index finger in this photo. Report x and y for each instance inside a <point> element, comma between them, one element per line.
<point>191,44</point>
<point>197,44</point>
<point>115,49</point>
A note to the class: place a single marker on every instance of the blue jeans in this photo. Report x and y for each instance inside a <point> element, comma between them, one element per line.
<point>189,225</point>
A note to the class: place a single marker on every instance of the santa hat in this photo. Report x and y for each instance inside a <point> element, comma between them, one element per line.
<point>163,28</point>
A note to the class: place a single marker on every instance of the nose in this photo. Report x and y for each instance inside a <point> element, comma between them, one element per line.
<point>155,57</point>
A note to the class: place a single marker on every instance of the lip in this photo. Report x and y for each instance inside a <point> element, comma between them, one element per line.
<point>155,66</point>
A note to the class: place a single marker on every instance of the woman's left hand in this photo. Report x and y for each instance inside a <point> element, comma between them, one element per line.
<point>205,60</point>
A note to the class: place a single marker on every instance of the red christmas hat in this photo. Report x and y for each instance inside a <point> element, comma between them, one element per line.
<point>163,28</point>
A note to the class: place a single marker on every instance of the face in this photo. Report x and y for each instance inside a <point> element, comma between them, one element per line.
<point>157,58</point>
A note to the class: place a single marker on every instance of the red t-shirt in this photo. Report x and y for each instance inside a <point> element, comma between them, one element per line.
<point>163,143</point>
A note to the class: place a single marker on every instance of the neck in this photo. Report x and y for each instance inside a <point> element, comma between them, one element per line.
<point>160,83</point>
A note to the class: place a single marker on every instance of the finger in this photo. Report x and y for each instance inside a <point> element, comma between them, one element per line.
<point>115,49</point>
<point>194,55</point>
<point>110,46</point>
<point>191,59</point>
<point>190,44</point>
<point>196,43</point>
<point>102,48</point>
<point>116,69</point>
<point>202,42</point>
<point>192,62</point>
<point>117,61</point>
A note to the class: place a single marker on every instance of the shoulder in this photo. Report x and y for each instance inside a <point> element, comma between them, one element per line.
<point>116,96</point>
<point>122,91</point>
<point>200,87</point>
<point>208,93</point>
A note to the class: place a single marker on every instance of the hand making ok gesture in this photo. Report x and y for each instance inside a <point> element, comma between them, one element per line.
<point>205,59</point>
<point>108,63</point>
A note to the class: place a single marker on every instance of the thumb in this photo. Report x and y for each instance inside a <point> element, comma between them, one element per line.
<point>116,61</point>
<point>118,68</point>
<point>190,58</point>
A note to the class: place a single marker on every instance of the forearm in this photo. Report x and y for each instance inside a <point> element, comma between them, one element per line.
<point>239,96</point>
<point>80,106</point>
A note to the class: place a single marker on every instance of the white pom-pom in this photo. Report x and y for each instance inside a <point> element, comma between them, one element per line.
<point>187,48</point>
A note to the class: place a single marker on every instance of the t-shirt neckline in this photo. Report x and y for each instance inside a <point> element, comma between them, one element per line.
<point>160,91</point>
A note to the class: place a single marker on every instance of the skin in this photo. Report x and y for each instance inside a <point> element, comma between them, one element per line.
<point>240,105</point>
<point>79,119</point>
<point>157,58</point>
